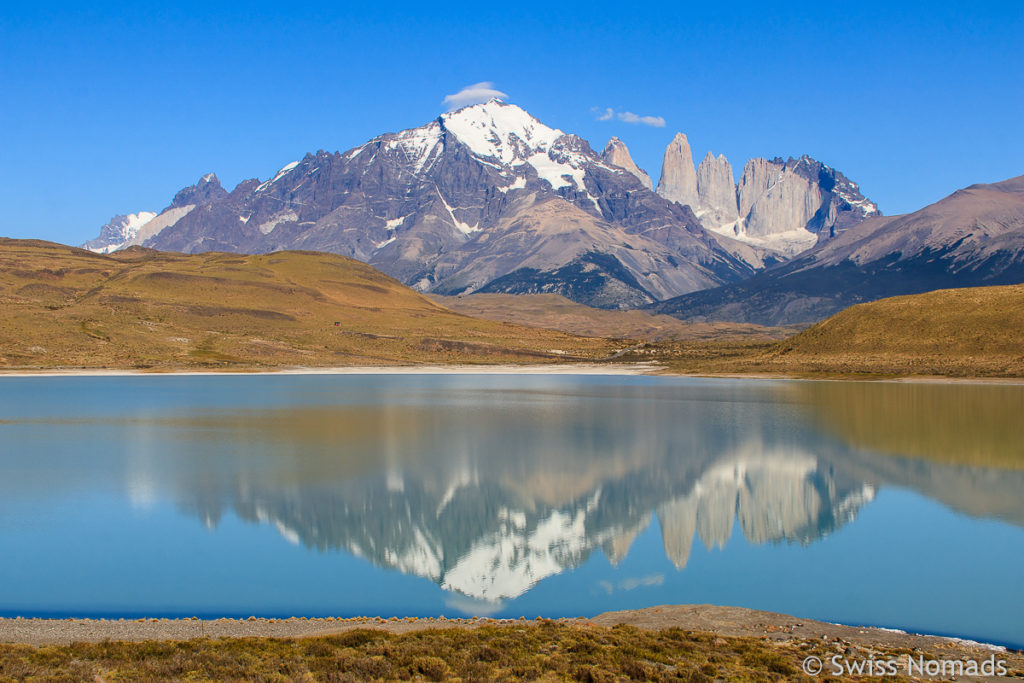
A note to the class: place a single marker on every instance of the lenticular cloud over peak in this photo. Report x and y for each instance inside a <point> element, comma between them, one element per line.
<point>477,93</point>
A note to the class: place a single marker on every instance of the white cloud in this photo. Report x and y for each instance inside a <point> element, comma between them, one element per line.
<point>629,117</point>
<point>473,94</point>
<point>632,583</point>
<point>642,582</point>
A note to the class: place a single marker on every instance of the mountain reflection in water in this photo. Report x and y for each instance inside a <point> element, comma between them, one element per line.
<point>488,486</point>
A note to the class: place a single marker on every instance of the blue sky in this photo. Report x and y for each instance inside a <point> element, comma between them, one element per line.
<point>112,109</point>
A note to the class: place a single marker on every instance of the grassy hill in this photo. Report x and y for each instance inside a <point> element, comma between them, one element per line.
<point>971,332</point>
<point>555,312</point>
<point>67,307</point>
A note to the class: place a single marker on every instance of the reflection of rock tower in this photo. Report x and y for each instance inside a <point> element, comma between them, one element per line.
<point>777,496</point>
<point>618,546</point>
<point>678,520</point>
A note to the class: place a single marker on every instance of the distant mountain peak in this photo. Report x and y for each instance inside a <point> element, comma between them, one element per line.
<point>500,131</point>
<point>206,189</point>
<point>118,232</point>
<point>617,154</point>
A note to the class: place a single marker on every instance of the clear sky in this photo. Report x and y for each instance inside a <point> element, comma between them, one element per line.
<point>112,109</point>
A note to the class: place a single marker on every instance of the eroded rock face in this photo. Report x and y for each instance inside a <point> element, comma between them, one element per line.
<point>782,206</point>
<point>678,182</point>
<point>716,190</point>
<point>616,153</point>
<point>773,199</point>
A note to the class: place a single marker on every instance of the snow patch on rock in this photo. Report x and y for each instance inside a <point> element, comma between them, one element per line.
<point>154,227</point>
<point>788,243</point>
<point>417,146</point>
<point>287,217</point>
<point>280,174</point>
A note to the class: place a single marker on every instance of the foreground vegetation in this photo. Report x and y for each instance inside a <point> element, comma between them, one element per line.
<point>545,651</point>
<point>67,307</point>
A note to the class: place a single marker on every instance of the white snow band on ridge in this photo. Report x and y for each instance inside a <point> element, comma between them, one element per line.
<point>277,177</point>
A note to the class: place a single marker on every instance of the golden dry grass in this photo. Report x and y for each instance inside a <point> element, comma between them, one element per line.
<point>970,332</point>
<point>66,307</point>
<point>555,312</point>
<point>548,651</point>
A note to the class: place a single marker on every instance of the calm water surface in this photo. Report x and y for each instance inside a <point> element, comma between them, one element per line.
<point>898,505</point>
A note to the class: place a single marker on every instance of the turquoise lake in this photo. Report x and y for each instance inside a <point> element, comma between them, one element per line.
<point>886,504</point>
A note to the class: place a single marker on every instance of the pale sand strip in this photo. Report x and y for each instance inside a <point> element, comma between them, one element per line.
<point>587,369</point>
<point>561,369</point>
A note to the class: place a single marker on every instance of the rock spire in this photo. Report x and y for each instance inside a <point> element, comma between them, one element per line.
<point>616,152</point>
<point>678,180</point>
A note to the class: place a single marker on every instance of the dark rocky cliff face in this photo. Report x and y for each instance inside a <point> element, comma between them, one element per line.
<point>208,189</point>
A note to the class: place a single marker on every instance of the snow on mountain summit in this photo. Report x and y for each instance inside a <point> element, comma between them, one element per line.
<point>119,231</point>
<point>511,136</point>
<point>500,131</point>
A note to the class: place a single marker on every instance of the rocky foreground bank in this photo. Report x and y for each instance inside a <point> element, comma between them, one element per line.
<point>694,642</point>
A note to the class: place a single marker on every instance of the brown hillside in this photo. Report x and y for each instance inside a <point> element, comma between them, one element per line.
<point>972,331</point>
<point>555,312</point>
<point>61,306</point>
<point>969,332</point>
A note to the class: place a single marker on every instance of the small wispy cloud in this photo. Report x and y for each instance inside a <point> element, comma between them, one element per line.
<point>628,117</point>
<point>642,582</point>
<point>473,94</point>
<point>630,584</point>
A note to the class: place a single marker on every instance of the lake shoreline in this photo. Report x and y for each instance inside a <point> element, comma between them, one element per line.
<point>589,369</point>
<point>616,369</point>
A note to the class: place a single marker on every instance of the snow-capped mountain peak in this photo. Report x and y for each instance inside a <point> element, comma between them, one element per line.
<point>495,130</point>
<point>511,137</point>
<point>119,231</point>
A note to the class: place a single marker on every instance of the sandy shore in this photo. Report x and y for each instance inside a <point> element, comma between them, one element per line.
<point>725,621</point>
<point>593,369</point>
<point>562,369</point>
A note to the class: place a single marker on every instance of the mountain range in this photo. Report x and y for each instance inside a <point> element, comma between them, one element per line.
<point>973,237</point>
<point>489,199</point>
